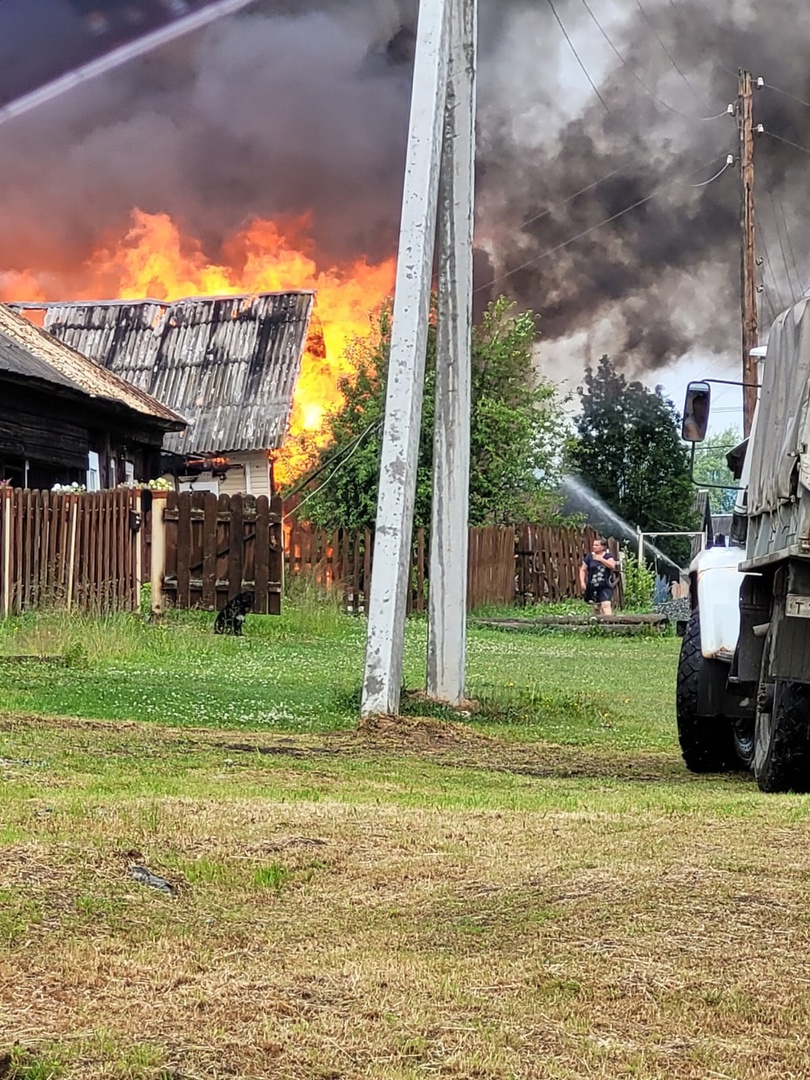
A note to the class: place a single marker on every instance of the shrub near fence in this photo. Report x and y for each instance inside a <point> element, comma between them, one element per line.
<point>69,550</point>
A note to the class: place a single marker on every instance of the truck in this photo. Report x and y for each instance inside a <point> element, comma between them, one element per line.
<point>743,683</point>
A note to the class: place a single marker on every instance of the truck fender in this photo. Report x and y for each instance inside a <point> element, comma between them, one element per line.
<point>716,582</point>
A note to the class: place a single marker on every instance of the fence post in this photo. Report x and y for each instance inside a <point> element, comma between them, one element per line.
<point>73,512</point>
<point>158,566</point>
<point>7,494</point>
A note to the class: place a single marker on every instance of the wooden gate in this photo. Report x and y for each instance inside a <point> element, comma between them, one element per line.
<point>218,547</point>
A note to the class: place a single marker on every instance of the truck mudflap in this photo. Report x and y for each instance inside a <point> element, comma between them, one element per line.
<point>790,624</point>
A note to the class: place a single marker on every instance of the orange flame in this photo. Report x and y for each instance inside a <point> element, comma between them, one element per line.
<point>155,260</point>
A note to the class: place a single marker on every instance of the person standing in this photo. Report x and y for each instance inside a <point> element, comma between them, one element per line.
<point>597,577</point>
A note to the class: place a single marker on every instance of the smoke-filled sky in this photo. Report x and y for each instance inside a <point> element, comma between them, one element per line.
<point>302,105</point>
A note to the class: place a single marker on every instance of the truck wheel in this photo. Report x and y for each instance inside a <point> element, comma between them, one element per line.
<point>744,741</point>
<point>782,741</point>
<point>707,742</point>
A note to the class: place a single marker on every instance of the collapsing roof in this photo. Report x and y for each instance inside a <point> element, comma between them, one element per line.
<point>228,364</point>
<point>26,352</point>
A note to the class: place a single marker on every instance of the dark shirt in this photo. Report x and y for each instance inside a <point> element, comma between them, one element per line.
<point>597,575</point>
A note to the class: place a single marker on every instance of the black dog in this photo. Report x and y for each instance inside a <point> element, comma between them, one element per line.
<point>232,617</point>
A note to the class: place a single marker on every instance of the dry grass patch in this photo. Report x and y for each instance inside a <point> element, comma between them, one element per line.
<point>384,925</point>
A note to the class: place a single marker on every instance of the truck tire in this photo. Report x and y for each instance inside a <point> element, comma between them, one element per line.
<point>744,741</point>
<point>707,742</point>
<point>782,741</point>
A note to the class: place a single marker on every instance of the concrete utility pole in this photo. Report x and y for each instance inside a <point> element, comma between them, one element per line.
<point>406,373</point>
<point>750,334</point>
<point>447,634</point>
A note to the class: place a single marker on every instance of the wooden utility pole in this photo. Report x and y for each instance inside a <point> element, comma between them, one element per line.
<point>750,335</point>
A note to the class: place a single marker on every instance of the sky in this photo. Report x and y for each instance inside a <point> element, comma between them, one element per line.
<point>535,99</point>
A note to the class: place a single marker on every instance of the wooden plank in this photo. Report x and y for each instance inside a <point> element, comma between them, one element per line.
<point>122,529</point>
<point>195,548</point>
<point>334,559</point>
<point>50,514</point>
<point>182,597</point>
<point>341,572</point>
<point>262,557</point>
<point>18,556</point>
<point>36,541</point>
<point>420,570</point>
<point>83,544</point>
<point>236,541</point>
<point>28,549</point>
<point>209,551</point>
<point>106,574</point>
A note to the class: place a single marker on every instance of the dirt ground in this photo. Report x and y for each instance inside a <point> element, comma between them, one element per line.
<point>408,900</point>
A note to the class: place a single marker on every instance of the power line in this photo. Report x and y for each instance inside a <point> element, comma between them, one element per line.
<point>638,78</point>
<point>774,278</point>
<point>601,180</point>
<point>784,252</point>
<point>785,93</point>
<point>573,49</point>
<point>582,191</point>
<point>668,54</point>
<point>769,299</point>
<point>599,225</point>
<point>352,447</point>
<point>787,142</point>
<point>802,289</point>
<point>717,175</point>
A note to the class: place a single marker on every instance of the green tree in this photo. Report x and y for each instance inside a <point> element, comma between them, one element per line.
<point>627,448</point>
<point>517,431</point>
<point>711,468</point>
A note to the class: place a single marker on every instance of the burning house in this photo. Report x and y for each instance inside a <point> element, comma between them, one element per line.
<point>228,364</point>
<point>65,419</point>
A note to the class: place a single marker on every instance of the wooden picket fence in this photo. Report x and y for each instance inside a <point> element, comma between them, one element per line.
<point>529,564</point>
<point>548,562</point>
<point>68,550</point>
<point>92,551</point>
<point>491,566</point>
<point>342,559</point>
<point>214,547</point>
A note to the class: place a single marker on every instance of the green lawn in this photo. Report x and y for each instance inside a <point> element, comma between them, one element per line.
<point>536,890</point>
<point>302,673</point>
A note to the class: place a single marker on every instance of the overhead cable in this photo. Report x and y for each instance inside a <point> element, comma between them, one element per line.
<point>667,53</point>
<point>579,59</point>
<point>782,304</point>
<point>796,146</point>
<point>352,447</point>
<point>705,183</point>
<point>600,224</point>
<point>582,191</point>
<point>640,81</point>
<point>783,248</point>
<point>786,93</point>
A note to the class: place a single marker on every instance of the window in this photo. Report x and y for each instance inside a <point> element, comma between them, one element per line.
<point>129,472</point>
<point>93,471</point>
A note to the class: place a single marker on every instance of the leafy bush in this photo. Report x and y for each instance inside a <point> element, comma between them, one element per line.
<point>639,584</point>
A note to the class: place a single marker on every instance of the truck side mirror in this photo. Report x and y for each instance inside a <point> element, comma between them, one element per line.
<point>696,412</point>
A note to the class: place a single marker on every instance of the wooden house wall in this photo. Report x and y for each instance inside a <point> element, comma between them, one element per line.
<point>54,431</point>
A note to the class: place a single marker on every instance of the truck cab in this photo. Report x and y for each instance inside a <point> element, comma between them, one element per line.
<point>743,697</point>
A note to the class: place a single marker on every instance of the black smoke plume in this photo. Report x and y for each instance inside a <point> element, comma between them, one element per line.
<point>302,105</point>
